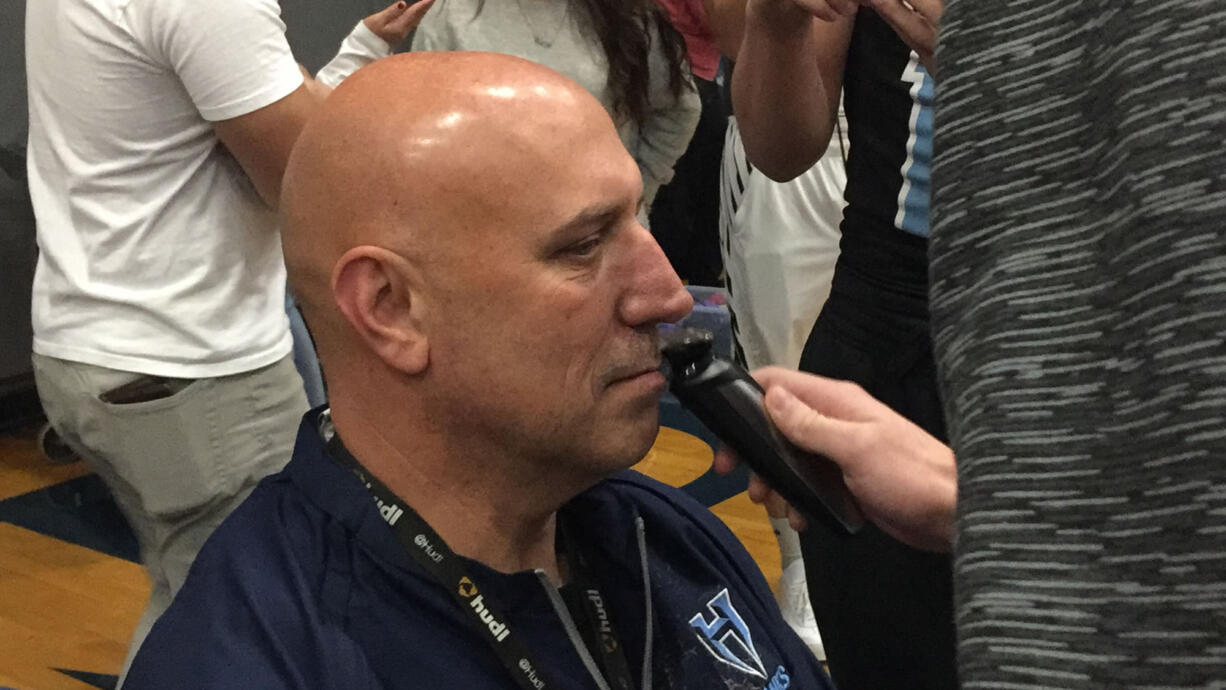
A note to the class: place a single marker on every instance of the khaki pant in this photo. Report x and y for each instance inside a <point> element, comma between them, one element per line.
<point>177,466</point>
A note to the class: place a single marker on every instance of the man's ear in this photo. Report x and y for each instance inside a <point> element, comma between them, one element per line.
<point>372,290</point>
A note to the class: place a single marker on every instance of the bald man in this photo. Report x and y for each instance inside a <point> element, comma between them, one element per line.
<point>460,228</point>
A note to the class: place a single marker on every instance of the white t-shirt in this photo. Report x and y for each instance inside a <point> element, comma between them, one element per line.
<point>157,254</point>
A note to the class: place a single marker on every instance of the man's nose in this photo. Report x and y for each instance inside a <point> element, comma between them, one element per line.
<point>655,293</point>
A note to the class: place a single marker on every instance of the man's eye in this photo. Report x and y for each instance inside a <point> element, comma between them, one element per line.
<point>584,249</point>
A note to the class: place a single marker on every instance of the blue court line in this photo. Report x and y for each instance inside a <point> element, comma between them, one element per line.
<point>79,511</point>
<point>97,680</point>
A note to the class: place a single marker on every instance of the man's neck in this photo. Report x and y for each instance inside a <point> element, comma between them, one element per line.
<point>483,515</point>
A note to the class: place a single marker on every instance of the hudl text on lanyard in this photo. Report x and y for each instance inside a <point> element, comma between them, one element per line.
<point>432,553</point>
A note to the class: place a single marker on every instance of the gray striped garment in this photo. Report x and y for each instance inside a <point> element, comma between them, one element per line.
<point>1079,314</point>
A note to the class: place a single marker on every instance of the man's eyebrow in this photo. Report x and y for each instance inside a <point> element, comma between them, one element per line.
<point>600,214</point>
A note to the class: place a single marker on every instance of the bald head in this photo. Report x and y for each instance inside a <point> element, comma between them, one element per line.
<point>462,231</point>
<point>413,151</point>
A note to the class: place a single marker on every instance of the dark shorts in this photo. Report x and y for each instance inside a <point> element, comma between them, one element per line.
<point>885,610</point>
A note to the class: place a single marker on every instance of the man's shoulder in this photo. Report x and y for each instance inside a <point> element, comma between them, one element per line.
<point>254,602</point>
<point>289,517</point>
<point>681,532</point>
<point>274,535</point>
<point>671,515</point>
<point>652,494</point>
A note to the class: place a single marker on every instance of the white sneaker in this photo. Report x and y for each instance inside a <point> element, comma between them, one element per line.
<point>793,601</point>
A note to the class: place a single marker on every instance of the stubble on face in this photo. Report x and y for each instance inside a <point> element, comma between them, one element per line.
<point>530,352</point>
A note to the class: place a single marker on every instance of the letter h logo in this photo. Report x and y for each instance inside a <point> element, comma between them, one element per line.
<point>727,637</point>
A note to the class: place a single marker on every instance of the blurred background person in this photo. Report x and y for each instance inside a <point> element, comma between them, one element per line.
<point>685,215</point>
<point>158,135</point>
<point>885,608</point>
<point>624,52</point>
<point>780,241</point>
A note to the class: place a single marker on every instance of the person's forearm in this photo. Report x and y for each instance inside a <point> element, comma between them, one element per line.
<point>726,21</point>
<point>778,95</point>
<point>316,88</point>
<point>360,48</point>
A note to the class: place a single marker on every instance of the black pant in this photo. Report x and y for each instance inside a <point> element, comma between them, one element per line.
<point>685,214</point>
<point>885,610</point>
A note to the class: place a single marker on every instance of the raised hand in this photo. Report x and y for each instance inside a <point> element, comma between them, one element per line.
<point>394,23</point>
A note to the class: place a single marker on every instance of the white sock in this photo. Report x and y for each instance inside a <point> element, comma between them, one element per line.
<point>789,541</point>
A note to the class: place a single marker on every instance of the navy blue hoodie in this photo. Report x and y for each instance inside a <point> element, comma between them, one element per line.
<point>306,586</point>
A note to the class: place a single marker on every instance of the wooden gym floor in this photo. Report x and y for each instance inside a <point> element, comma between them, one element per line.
<point>71,591</point>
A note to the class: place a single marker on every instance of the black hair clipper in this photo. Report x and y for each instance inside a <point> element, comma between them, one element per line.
<point>730,402</point>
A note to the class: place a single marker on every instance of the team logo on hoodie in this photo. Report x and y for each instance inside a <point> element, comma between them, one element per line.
<point>727,637</point>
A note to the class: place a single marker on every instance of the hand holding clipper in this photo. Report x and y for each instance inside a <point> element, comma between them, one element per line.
<point>730,402</point>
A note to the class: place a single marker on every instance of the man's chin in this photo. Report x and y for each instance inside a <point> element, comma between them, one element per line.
<point>640,441</point>
<point>627,444</point>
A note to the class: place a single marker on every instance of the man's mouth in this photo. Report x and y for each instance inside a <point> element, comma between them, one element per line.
<point>621,374</point>
<point>635,372</point>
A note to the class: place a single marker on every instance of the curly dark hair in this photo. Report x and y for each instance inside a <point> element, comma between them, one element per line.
<point>623,29</point>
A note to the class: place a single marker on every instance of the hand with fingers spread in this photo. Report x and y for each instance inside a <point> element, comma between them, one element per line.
<point>394,23</point>
<point>916,22</point>
<point>904,479</point>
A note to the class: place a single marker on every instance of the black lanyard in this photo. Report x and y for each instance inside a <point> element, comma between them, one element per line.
<point>599,619</point>
<point>487,615</point>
